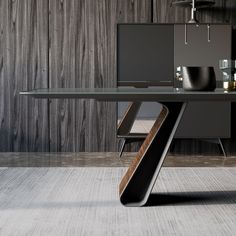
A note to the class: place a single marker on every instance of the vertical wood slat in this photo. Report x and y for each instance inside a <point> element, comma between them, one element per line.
<point>38,133</point>
<point>23,122</point>
<point>84,72</point>
<point>87,28</point>
<point>3,127</point>
<point>62,28</point>
<point>104,54</point>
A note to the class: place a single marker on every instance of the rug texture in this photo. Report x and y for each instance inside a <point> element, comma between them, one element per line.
<point>84,201</point>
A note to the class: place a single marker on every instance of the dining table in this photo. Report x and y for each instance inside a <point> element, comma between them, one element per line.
<point>140,177</point>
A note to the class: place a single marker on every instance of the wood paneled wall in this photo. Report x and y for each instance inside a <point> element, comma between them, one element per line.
<point>24,65</point>
<point>70,43</point>
<point>66,43</point>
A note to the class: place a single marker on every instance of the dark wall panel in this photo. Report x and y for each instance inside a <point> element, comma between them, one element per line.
<point>23,56</point>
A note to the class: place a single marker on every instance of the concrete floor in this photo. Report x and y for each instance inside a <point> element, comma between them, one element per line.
<point>108,159</point>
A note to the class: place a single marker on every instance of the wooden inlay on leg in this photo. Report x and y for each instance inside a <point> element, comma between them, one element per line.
<point>139,179</point>
<point>140,154</point>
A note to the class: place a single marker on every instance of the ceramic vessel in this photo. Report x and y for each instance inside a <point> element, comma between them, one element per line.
<point>197,78</point>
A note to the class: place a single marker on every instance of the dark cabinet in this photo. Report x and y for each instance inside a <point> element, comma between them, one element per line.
<point>152,52</point>
<point>205,120</point>
<point>203,45</point>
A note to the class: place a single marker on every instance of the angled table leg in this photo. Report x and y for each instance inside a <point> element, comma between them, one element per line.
<point>126,123</point>
<point>138,181</point>
<point>128,119</point>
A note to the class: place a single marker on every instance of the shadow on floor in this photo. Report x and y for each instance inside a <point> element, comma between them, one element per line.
<point>192,198</point>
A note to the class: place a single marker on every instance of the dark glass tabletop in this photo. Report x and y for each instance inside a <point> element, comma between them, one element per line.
<point>132,94</point>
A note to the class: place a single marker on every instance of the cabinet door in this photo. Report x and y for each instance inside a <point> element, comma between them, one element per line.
<point>203,45</point>
<point>205,120</point>
<point>145,54</point>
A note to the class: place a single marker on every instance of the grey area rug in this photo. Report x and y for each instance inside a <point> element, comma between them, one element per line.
<point>84,201</point>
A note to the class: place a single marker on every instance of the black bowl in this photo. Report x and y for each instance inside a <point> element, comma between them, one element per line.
<point>198,78</point>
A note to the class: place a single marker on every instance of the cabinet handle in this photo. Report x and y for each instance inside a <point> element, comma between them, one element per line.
<point>208,34</point>
<point>185,34</point>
